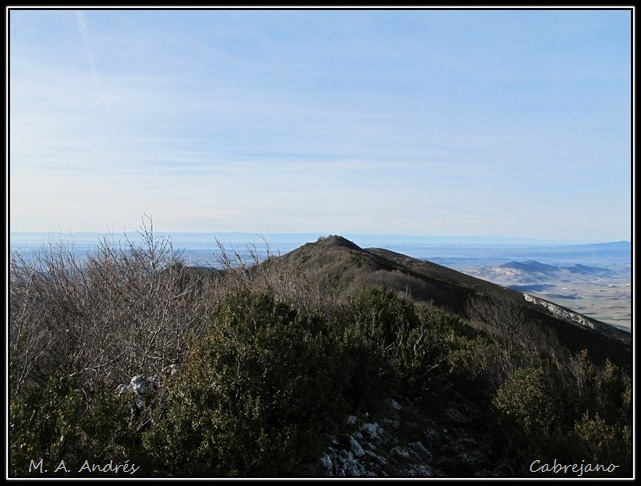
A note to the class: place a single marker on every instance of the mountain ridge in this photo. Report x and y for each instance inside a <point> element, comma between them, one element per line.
<point>349,267</point>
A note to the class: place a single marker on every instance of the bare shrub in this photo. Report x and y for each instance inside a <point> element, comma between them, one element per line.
<point>519,341</point>
<point>126,309</point>
<point>502,317</point>
<point>275,274</point>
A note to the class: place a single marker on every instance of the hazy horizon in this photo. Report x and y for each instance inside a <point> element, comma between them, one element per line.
<point>465,255</point>
<point>451,122</point>
<point>257,236</point>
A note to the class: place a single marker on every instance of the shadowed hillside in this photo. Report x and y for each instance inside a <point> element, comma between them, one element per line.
<point>347,268</point>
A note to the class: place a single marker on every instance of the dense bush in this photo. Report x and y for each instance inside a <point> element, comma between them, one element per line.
<point>58,422</point>
<point>565,412</point>
<point>528,402</point>
<point>407,338</point>
<point>263,390</point>
<point>601,442</point>
<point>259,395</point>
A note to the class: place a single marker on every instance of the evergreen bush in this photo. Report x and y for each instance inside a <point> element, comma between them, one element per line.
<point>258,396</point>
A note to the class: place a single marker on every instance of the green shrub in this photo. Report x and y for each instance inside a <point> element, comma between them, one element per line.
<point>384,317</point>
<point>367,375</point>
<point>599,389</point>
<point>42,424</point>
<point>601,399</point>
<point>57,422</point>
<point>258,396</point>
<point>529,414</point>
<point>575,414</point>
<point>407,340</point>
<point>599,442</point>
<point>526,398</point>
<point>469,357</point>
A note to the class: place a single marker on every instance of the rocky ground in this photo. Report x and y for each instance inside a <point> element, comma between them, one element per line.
<point>452,442</point>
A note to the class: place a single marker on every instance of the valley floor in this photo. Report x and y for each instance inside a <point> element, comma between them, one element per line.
<point>606,300</point>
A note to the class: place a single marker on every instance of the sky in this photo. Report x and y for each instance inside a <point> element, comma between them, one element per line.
<point>506,123</point>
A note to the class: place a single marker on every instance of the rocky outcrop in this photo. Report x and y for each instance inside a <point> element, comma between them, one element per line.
<point>406,442</point>
<point>562,312</point>
<point>142,386</point>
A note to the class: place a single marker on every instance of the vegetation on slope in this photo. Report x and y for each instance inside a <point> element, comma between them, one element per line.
<point>276,355</point>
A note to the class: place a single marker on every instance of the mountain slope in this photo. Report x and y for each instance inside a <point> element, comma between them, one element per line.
<point>346,268</point>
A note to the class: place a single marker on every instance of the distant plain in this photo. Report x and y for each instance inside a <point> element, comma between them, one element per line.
<point>605,298</point>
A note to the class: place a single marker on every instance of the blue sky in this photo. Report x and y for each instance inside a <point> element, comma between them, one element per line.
<point>511,123</point>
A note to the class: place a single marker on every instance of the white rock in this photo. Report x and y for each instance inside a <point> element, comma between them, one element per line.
<point>401,453</point>
<point>172,370</point>
<point>139,384</point>
<point>357,449</point>
<point>327,462</point>
<point>420,471</point>
<point>421,450</point>
<point>372,429</point>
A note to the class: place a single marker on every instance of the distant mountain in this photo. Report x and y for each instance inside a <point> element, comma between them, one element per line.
<point>530,266</point>
<point>347,267</point>
<point>587,270</point>
<point>534,272</point>
<point>614,245</point>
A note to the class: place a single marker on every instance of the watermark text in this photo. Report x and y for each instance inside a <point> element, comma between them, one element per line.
<point>87,467</point>
<point>578,469</point>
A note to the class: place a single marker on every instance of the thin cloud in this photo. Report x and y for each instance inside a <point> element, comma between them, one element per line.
<point>389,121</point>
<point>86,46</point>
